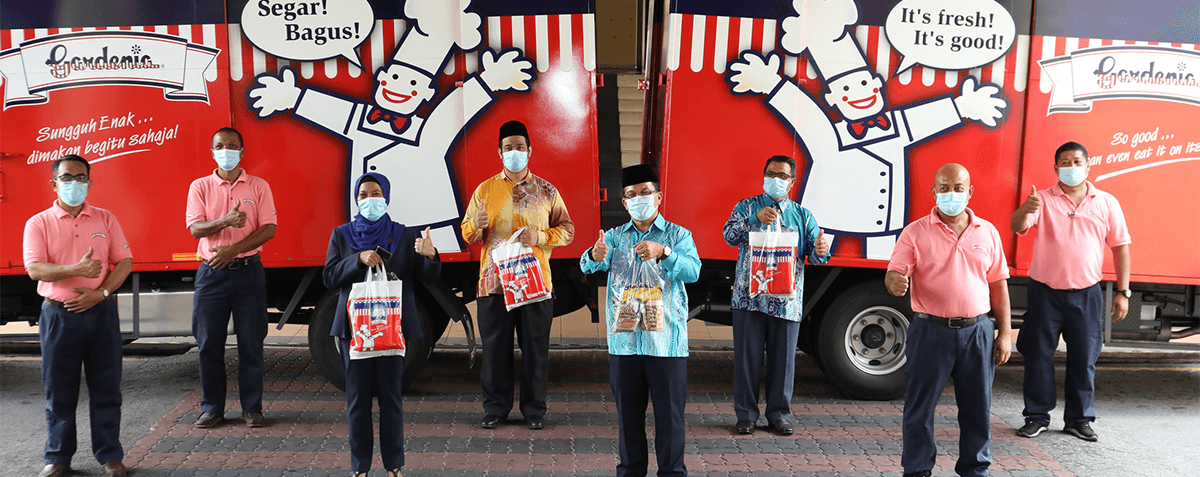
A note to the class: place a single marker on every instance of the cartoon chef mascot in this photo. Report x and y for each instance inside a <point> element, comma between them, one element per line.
<point>385,135</point>
<point>857,174</point>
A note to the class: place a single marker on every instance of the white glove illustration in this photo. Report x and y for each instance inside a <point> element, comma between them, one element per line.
<point>752,74</point>
<point>506,73</point>
<point>984,104</point>
<point>275,94</point>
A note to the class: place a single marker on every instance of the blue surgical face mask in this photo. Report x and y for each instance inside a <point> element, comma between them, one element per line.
<point>641,207</point>
<point>775,187</point>
<point>227,159</point>
<point>372,208</point>
<point>72,193</point>
<point>1072,176</point>
<point>515,161</point>
<point>952,203</point>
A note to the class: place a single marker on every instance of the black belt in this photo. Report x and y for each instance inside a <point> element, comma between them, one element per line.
<point>239,262</point>
<point>952,322</point>
<point>59,304</point>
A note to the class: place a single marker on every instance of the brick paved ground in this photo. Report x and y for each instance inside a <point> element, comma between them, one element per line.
<point>834,436</point>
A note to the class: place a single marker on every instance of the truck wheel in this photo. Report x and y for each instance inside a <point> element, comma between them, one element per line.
<point>325,353</point>
<point>862,342</point>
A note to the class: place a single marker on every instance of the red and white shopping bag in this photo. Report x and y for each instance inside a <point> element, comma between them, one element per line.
<point>374,311</point>
<point>773,262</point>
<point>519,272</point>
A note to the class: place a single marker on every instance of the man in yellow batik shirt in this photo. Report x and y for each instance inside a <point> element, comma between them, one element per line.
<point>510,201</point>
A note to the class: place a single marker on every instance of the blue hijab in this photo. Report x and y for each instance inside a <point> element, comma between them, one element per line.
<point>366,235</point>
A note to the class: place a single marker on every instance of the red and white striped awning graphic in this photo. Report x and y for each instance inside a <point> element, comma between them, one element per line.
<point>699,42</point>
<point>552,41</point>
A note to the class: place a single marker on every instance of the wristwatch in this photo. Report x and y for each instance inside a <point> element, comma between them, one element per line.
<point>666,251</point>
<point>105,292</point>
<point>1127,292</point>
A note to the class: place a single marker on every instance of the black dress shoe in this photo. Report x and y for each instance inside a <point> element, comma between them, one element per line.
<point>54,470</point>
<point>782,427</point>
<point>745,427</point>
<point>490,421</point>
<point>535,423</point>
<point>209,420</point>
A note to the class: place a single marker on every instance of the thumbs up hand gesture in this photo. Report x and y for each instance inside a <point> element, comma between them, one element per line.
<point>1032,203</point>
<point>88,267</point>
<point>424,245</point>
<point>822,245</point>
<point>235,218</point>
<point>600,249</point>
<point>897,283</point>
<point>481,216</point>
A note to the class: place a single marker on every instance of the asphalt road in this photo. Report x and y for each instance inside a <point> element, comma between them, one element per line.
<point>1149,414</point>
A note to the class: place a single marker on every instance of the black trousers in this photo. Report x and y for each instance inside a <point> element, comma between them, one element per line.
<point>381,377</point>
<point>636,381</point>
<point>496,375</point>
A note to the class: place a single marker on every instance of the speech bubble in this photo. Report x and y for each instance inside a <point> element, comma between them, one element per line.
<point>309,31</point>
<point>949,35</point>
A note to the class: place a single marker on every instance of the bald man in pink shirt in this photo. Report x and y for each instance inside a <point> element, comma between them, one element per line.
<point>958,272</point>
<point>1073,223</point>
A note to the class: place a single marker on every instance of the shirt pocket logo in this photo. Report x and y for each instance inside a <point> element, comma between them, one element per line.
<point>99,235</point>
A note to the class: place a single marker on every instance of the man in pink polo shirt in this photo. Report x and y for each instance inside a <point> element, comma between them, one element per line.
<point>956,263</point>
<point>1073,222</point>
<point>233,214</point>
<point>79,256</point>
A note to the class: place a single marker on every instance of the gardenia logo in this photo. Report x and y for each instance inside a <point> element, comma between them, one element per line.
<point>62,64</point>
<point>1122,72</point>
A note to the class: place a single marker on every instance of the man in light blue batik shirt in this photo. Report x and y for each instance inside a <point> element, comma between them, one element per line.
<point>766,321</point>
<point>648,365</point>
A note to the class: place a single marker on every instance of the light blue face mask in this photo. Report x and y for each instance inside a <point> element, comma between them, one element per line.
<point>952,203</point>
<point>227,159</point>
<point>515,161</point>
<point>72,193</point>
<point>775,187</point>
<point>1072,176</point>
<point>641,207</point>
<point>372,208</point>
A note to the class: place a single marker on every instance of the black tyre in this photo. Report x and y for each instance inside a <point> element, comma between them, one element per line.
<point>863,337</point>
<point>329,362</point>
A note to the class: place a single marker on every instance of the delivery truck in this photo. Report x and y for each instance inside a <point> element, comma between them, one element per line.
<point>995,86</point>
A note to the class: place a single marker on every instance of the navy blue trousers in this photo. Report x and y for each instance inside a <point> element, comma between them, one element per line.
<point>752,332</point>
<point>381,377</point>
<point>636,381</point>
<point>937,353</point>
<point>92,341</point>
<point>1076,316</point>
<point>532,326</point>
<point>242,292</point>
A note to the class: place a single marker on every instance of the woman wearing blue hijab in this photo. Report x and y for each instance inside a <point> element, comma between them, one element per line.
<point>352,250</point>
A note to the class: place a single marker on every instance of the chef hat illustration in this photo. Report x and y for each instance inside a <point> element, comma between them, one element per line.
<point>439,26</point>
<point>823,29</point>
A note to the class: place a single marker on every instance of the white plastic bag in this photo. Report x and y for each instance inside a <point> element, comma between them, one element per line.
<point>374,308</point>
<point>520,273</point>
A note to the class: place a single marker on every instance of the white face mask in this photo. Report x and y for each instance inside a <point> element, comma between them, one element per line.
<point>515,161</point>
<point>641,207</point>
<point>227,159</point>
<point>1072,176</point>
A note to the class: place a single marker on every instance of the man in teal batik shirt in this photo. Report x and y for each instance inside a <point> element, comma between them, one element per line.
<point>648,364</point>
<point>766,321</point>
